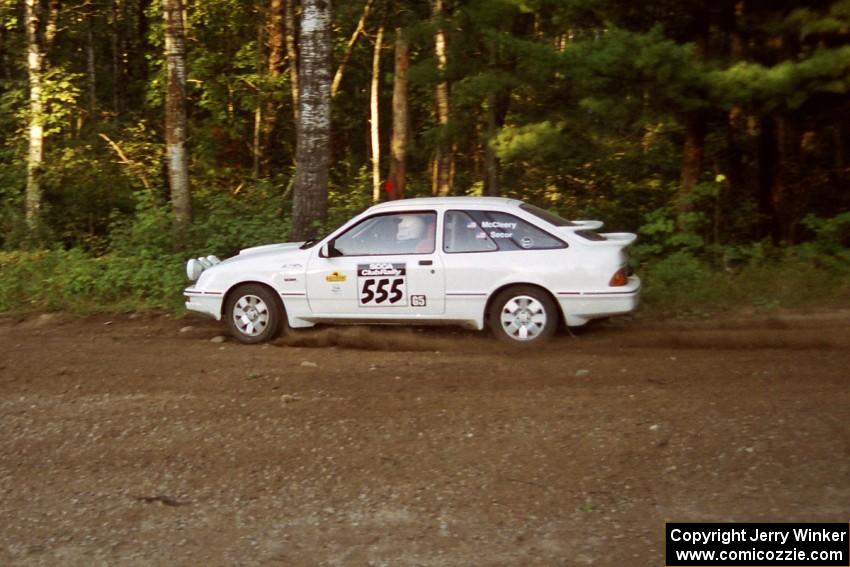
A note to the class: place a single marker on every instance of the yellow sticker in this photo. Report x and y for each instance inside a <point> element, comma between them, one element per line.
<point>335,277</point>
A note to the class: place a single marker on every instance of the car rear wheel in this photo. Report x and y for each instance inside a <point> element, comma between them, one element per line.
<point>253,314</point>
<point>523,315</point>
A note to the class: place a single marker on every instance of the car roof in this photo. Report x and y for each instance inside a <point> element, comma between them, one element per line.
<point>500,202</point>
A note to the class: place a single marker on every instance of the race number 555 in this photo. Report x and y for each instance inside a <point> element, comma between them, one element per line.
<point>381,284</point>
<point>380,291</point>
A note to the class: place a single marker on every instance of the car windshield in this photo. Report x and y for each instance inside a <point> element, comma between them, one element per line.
<point>551,218</point>
<point>309,243</point>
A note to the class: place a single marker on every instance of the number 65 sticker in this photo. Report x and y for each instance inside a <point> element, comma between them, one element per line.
<point>381,284</point>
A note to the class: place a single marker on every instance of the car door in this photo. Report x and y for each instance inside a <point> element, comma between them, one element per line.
<point>384,267</point>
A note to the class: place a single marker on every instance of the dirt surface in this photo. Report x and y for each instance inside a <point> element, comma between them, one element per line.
<point>139,441</point>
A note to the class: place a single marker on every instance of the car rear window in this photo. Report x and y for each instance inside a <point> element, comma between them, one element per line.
<point>485,231</point>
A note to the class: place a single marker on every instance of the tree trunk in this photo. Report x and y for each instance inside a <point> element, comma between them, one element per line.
<point>444,159</point>
<point>35,58</point>
<point>175,111</point>
<point>257,148</point>
<point>491,161</point>
<point>788,192</point>
<point>374,112</point>
<point>91,72</point>
<point>767,169</point>
<point>693,152</point>
<point>35,158</point>
<point>693,149</point>
<point>736,118</point>
<point>498,103</point>
<point>396,180</point>
<point>349,49</point>
<point>277,51</point>
<point>117,67</point>
<point>312,155</point>
<point>51,26</point>
<point>5,64</point>
<point>292,55</point>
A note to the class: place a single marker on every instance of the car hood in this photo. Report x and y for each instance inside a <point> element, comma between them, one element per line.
<point>262,255</point>
<point>270,249</point>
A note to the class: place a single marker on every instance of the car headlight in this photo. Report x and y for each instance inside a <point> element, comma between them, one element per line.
<point>194,269</point>
<point>195,266</point>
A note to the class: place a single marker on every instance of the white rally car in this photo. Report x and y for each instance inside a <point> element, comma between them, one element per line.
<point>470,261</point>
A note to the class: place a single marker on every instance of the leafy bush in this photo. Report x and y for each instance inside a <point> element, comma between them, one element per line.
<point>762,277</point>
<point>225,223</point>
<point>73,280</point>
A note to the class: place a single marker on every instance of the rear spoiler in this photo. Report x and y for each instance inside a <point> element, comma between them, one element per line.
<point>622,239</point>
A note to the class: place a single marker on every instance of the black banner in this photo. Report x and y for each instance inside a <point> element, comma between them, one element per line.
<point>758,545</point>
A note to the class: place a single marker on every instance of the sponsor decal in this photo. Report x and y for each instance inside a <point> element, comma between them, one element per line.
<point>526,242</point>
<point>380,269</point>
<point>418,301</point>
<point>335,277</point>
<point>472,224</point>
<point>481,236</point>
<point>336,288</point>
<point>497,224</point>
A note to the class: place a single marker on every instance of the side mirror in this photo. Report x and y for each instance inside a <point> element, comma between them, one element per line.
<point>329,250</point>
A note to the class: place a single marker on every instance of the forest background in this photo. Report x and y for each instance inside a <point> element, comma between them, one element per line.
<point>137,133</point>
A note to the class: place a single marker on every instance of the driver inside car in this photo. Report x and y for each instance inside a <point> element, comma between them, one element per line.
<point>413,234</point>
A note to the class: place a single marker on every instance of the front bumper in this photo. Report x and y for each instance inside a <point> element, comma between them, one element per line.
<point>204,302</point>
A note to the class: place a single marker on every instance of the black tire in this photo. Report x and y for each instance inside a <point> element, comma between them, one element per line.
<point>253,314</point>
<point>523,315</point>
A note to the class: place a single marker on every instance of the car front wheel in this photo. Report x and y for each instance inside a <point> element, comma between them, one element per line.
<point>253,314</point>
<point>523,315</point>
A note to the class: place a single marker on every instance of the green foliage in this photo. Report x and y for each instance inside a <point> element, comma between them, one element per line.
<point>682,285</point>
<point>832,236</point>
<point>226,223</point>
<point>591,103</point>
<point>538,142</point>
<point>73,280</point>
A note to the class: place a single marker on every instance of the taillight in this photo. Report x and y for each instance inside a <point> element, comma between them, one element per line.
<point>620,278</point>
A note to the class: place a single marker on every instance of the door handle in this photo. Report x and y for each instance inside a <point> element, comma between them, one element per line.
<point>426,262</point>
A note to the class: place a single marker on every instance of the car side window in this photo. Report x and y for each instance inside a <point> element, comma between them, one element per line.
<point>390,233</point>
<point>463,234</point>
<point>512,233</point>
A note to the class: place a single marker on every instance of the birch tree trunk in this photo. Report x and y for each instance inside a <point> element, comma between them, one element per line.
<point>444,159</point>
<point>312,154</point>
<point>374,121</point>
<point>35,157</point>
<point>398,143</point>
<point>175,111</point>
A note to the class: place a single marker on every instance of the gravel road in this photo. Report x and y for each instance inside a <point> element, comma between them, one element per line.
<point>140,440</point>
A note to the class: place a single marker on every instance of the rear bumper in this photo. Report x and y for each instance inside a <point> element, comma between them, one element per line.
<point>205,303</point>
<point>580,307</point>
